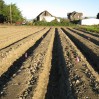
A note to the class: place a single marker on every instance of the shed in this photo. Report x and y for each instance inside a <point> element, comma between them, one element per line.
<point>91,21</point>
<point>46,16</point>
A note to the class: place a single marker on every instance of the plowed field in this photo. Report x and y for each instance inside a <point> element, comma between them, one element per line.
<point>48,63</point>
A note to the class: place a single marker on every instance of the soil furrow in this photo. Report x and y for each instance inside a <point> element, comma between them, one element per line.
<point>84,81</point>
<point>59,86</point>
<point>24,81</point>
<point>90,51</point>
<point>52,63</point>
<point>13,43</point>
<point>43,79</point>
<point>91,33</point>
<point>93,39</point>
<point>17,64</point>
<point>17,36</point>
<point>6,33</point>
<point>14,54</point>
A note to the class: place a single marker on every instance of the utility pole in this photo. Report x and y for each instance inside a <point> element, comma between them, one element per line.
<point>11,13</point>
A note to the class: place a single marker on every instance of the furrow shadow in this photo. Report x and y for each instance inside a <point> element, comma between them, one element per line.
<point>91,57</point>
<point>86,37</point>
<point>6,77</point>
<point>20,40</point>
<point>59,85</point>
<point>87,32</point>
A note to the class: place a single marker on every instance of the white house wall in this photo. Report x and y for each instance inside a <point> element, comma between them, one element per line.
<point>58,20</point>
<point>41,17</point>
<point>48,18</point>
<point>90,22</point>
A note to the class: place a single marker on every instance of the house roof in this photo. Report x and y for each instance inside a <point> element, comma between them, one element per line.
<point>74,15</point>
<point>44,13</point>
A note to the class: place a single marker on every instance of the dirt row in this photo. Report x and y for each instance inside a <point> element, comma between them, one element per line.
<point>70,78</point>
<point>89,49</point>
<point>13,52</point>
<point>30,80</point>
<point>84,81</point>
<point>91,33</point>
<point>10,31</point>
<point>13,37</point>
<point>93,39</point>
<point>52,64</point>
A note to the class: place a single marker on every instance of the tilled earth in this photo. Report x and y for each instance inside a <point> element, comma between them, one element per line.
<point>48,63</point>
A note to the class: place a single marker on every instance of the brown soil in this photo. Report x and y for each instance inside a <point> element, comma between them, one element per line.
<point>88,48</point>
<point>87,36</point>
<point>48,63</point>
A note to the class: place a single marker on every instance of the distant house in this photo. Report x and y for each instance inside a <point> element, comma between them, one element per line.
<point>91,21</point>
<point>73,16</point>
<point>46,16</point>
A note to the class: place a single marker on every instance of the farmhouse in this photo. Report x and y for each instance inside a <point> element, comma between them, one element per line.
<point>46,16</point>
<point>91,21</point>
<point>74,16</point>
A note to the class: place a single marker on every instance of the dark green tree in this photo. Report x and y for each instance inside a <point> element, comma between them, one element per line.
<point>2,5</point>
<point>5,12</point>
<point>98,16</point>
<point>16,13</point>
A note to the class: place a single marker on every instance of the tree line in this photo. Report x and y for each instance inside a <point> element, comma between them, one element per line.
<point>9,13</point>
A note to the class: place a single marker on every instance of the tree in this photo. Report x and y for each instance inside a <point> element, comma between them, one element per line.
<point>2,18</point>
<point>2,5</point>
<point>5,12</point>
<point>98,16</point>
<point>15,13</point>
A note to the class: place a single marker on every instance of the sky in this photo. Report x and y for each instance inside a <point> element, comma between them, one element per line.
<point>59,8</point>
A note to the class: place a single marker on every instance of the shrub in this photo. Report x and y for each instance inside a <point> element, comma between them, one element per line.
<point>53,23</point>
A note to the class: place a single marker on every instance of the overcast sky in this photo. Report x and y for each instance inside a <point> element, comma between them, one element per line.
<point>31,8</point>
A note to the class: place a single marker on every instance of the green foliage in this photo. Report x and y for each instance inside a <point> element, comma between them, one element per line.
<point>2,5</point>
<point>15,12</point>
<point>63,22</point>
<point>2,18</point>
<point>94,28</point>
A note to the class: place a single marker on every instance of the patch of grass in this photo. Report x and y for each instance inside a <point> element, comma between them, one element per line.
<point>94,28</point>
<point>53,23</point>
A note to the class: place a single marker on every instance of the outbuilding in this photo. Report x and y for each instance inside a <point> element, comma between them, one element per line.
<point>91,21</point>
<point>46,16</point>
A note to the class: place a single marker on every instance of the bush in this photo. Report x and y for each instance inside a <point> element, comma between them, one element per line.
<point>2,18</point>
<point>94,28</point>
<point>53,23</point>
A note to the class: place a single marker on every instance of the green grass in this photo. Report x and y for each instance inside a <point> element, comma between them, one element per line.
<point>94,28</point>
<point>53,23</point>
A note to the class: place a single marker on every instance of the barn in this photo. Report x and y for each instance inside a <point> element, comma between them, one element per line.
<point>91,21</point>
<point>46,16</point>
